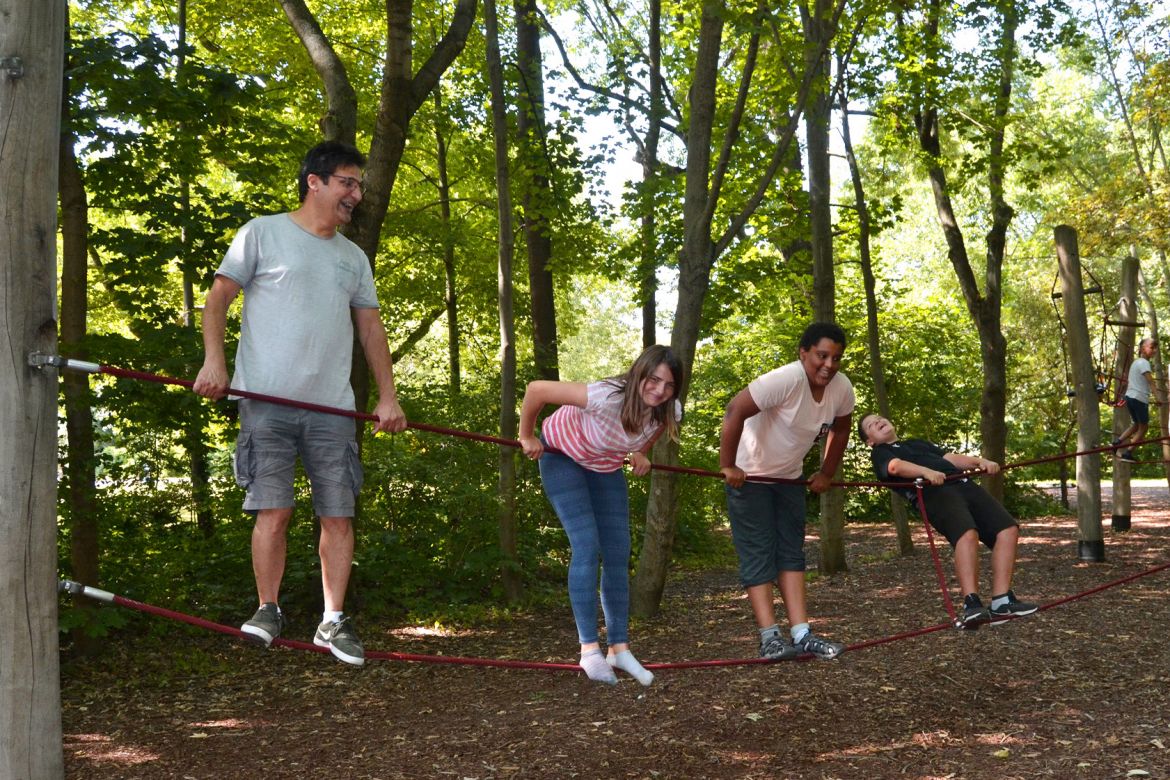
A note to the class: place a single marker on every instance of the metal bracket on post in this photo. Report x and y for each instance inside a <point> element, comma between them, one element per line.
<point>77,589</point>
<point>40,360</point>
<point>13,67</point>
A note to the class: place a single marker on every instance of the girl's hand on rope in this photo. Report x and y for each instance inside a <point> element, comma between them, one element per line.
<point>532,447</point>
<point>989,466</point>
<point>733,475</point>
<point>639,464</point>
<point>390,416</point>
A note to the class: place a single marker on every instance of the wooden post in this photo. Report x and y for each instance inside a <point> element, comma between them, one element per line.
<point>1091,544</point>
<point>32,40</point>
<point>1127,310</point>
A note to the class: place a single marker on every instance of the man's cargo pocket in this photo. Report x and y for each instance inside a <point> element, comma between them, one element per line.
<point>244,463</point>
<point>356,474</point>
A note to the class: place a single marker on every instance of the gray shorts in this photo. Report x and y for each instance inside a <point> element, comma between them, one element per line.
<point>273,435</point>
<point>767,528</point>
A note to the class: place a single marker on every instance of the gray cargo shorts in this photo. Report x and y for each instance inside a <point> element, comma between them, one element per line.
<point>273,435</point>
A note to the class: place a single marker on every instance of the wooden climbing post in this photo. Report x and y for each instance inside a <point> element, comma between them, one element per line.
<point>1091,543</point>
<point>1127,311</point>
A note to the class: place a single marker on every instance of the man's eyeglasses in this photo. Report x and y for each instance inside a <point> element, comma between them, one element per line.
<point>349,182</point>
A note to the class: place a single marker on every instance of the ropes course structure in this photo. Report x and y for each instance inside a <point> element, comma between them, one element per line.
<point>1107,378</point>
<point>80,589</point>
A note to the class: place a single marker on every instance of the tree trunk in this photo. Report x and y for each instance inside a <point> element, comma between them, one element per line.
<point>698,255</point>
<point>537,198</point>
<point>193,440</point>
<point>647,270</point>
<point>402,93</point>
<point>694,279</point>
<point>984,311</point>
<point>452,298</point>
<point>876,368</point>
<point>984,307</point>
<point>79,467</point>
<point>32,41</point>
<point>818,33</point>
<point>510,565</point>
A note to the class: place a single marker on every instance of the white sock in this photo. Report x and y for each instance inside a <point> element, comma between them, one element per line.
<point>798,632</point>
<point>627,663</point>
<point>330,616</point>
<point>593,662</point>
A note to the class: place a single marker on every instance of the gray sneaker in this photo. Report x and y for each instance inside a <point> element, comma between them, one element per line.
<point>824,649</point>
<point>341,640</point>
<point>776,649</point>
<point>265,625</point>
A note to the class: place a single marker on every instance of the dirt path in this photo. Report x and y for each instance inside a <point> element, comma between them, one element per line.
<point>1080,690</point>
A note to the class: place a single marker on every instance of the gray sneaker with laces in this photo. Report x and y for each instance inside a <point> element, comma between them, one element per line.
<point>265,625</point>
<point>341,640</point>
<point>775,648</point>
<point>825,649</point>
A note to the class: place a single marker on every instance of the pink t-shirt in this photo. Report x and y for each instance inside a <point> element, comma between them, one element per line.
<point>790,421</point>
<point>594,437</point>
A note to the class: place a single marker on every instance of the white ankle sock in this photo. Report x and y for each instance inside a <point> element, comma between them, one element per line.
<point>593,662</point>
<point>627,663</point>
<point>330,617</point>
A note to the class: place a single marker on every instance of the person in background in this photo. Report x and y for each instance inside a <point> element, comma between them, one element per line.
<point>959,509</point>
<point>597,427</point>
<point>1137,400</point>
<point>768,428</point>
<point>305,288</point>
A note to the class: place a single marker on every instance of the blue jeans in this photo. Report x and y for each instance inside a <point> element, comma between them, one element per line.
<point>594,509</point>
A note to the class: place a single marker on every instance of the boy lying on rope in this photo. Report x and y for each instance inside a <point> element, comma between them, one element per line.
<point>960,510</point>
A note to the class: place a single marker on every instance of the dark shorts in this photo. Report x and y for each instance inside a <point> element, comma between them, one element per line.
<point>271,438</point>
<point>767,528</point>
<point>1138,410</point>
<point>957,507</point>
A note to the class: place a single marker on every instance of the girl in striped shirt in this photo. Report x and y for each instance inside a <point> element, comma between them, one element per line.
<point>595,429</point>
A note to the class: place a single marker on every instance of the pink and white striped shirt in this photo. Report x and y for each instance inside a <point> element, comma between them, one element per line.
<point>594,437</point>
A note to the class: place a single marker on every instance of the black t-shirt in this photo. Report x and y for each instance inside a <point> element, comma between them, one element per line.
<point>917,451</point>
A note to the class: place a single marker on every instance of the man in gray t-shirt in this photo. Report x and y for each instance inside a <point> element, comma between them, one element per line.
<point>305,288</point>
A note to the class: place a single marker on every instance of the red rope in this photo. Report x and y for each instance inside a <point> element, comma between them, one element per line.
<point>160,379</point>
<point>561,667</point>
<point>938,570</point>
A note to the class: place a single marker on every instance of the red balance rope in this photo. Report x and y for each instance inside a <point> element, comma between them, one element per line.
<point>110,598</point>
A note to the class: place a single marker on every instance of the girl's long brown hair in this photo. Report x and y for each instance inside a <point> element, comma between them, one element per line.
<point>629,386</point>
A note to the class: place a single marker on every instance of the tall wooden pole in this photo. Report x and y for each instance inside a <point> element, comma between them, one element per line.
<point>32,41</point>
<point>1091,543</point>
<point>1127,311</point>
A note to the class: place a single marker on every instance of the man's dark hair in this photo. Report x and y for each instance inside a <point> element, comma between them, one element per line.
<point>325,158</point>
<point>822,330</point>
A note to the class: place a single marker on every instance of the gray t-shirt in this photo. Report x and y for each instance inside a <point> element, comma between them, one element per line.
<point>1137,386</point>
<point>296,335</point>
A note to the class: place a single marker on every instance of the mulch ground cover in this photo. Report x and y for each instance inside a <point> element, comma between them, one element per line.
<point>1079,690</point>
